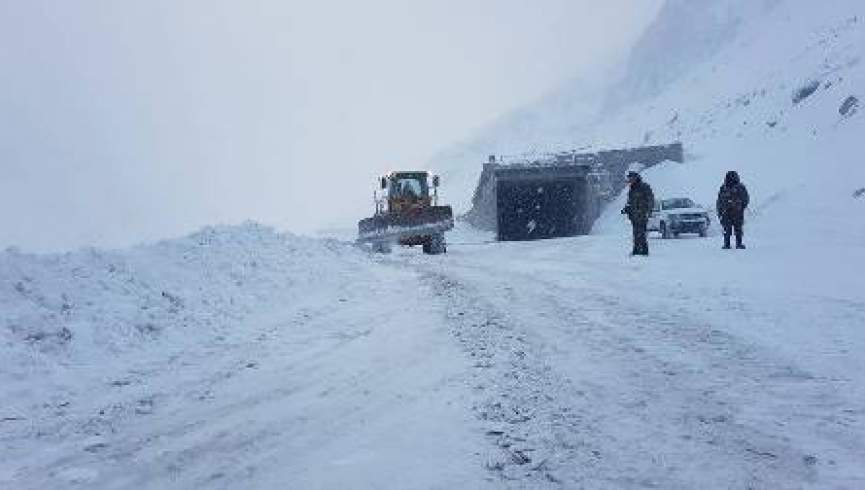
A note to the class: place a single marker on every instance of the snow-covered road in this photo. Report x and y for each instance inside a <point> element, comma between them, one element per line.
<point>553,364</point>
<point>349,391</point>
<point>600,371</point>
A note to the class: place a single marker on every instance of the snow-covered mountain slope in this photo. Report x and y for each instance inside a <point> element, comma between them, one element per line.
<point>685,34</point>
<point>778,105</point>
<point>759,87</point>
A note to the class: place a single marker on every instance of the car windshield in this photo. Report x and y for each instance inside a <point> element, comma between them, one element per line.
<point>677,203</point>
<point>410,186</point>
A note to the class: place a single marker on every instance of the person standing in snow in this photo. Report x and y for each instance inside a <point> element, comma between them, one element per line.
<point>733,199</point>
<point>641,200</point>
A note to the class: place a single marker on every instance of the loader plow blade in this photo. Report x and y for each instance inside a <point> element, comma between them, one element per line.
<point>396,227</point>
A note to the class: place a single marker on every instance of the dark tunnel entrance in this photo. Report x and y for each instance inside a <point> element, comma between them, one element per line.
<point>538,208</point>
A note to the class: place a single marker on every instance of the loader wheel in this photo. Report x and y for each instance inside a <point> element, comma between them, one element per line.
<point>435,245</point>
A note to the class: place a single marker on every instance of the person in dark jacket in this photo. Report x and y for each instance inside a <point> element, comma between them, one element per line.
<point>732,202</point>
<point>641,200</point>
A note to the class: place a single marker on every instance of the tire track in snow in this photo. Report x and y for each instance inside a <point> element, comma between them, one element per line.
<point>659,399</point>
<point>278,401</point>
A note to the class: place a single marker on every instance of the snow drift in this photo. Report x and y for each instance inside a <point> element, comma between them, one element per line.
<point>236,357</point>
<point>98,309</point>
<point>160,279</point>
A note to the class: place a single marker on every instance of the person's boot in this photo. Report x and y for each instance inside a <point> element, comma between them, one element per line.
<point>726,242</point>
<point>739,244</point>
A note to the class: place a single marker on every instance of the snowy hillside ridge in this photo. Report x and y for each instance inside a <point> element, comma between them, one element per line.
<point>773,71</point>
<point>776,97</point>
<point>110,301</point>
<point>685,33</point>
<point>779,104</point>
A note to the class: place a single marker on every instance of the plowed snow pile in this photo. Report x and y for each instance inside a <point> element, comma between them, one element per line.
<point>236,357</point>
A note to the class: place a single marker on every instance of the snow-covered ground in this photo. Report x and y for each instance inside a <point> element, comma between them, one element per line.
<point>693,368</point>
<point>234,358</point>
<point>239,357</point>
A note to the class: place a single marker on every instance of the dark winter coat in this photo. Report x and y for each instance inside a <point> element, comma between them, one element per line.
<point>733,197</point>
<point>641,200</point>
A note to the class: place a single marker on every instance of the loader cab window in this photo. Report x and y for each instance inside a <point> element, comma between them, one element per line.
<point>409,186</point>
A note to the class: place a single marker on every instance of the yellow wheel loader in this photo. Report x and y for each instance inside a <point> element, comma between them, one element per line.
<point>407,214</point>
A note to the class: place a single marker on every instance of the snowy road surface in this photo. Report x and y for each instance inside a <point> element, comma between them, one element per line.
<point>671,372</point>
<point>554,364</point>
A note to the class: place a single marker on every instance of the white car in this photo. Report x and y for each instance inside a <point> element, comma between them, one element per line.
<point>670,217</point>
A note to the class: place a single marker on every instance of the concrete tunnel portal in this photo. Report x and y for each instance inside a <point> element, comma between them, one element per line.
<point>557,195</point>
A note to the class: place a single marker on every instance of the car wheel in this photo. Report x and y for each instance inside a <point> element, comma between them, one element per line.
<point>703,232</point>
<point>665,232</point>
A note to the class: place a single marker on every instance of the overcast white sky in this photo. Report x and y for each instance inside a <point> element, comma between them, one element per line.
<point>138,120</point>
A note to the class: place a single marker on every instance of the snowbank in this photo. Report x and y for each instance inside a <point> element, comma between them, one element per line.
<point>93,308</point>
<point>236,357</point>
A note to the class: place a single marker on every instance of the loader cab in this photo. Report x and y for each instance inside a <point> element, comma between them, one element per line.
<point>408,189</point>
<point>407,185</point>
